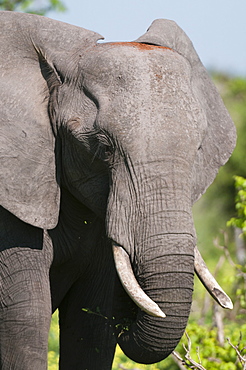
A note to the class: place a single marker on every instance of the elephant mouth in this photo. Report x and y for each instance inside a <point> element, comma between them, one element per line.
<point>144,302</point>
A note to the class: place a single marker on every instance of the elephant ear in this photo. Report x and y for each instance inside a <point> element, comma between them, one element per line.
<point>34,56</point>
<point>220,138</point>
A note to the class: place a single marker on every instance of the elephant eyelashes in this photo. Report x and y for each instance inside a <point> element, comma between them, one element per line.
<point>107,153</point>
<point>98,144</point>
<point>104,153</point>
<point>104,146</point>
<point>97,149</point>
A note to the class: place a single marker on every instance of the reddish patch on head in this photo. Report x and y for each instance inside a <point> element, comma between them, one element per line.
<point>140,46</point>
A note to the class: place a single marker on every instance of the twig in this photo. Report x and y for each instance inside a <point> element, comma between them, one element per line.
<point>218,322</point>
<point>178,360</point>
<point>198,354</point>
<point>242,358</point>
<point>188,357</point>
<point>193,364</point>
<point>227,253</point>
<point>123,368</point>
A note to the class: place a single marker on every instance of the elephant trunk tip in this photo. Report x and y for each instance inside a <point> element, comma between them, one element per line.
<point>140,354</point>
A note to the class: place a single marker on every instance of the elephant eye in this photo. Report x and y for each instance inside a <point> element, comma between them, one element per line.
<point>108,153</point>
<point>105,153</point>
<point>105,149</point>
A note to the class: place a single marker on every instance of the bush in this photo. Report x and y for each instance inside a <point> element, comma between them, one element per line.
<point>240,220</point>
<point>53,354</point>
<point>203,346</point>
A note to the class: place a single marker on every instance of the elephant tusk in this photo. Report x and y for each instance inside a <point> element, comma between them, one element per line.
<point>130,284</point>
<point>210,283</point>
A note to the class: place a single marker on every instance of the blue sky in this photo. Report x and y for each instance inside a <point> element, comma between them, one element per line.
<point>217,28</point>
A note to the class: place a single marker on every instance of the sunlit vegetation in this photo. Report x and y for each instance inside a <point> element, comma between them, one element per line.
<point>53,355</point>
<point>33,6</point>
<point>216,206</point>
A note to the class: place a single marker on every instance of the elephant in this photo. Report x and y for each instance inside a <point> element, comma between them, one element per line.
<point>104,148</point>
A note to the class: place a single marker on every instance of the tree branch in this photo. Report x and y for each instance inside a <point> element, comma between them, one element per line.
<point>242,358</point>
<point>192,363</point>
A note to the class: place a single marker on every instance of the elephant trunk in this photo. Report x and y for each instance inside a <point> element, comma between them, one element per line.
<point>156,230</point>
<point>168,280</point>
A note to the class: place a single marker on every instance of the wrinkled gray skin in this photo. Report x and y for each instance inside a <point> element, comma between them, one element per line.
<point>100,143</point>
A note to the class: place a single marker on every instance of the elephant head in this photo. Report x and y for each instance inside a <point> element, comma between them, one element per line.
<point>136,132</point>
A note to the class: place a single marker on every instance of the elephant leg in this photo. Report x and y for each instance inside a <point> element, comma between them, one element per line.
<point>87,338</point>
<point>25,303</point>
<point>25,310</point>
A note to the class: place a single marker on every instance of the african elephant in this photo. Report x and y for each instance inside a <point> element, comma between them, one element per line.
<point>103,147</point>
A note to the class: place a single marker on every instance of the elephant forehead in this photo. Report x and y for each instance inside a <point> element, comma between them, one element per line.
<point>129,66</point>
<point>120,48</point>
<point>142,90</point>
<point>128,58</point>
<point>136,45</point>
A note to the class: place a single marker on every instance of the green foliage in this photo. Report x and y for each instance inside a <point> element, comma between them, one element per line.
<point>233,91</point>
<point>240,220</point>
<point>33,6</point>
<point>206,349</point>
<point>53,354</point>
<point>216,206</point>
<point>203,341</point>
<point>122,362</point>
